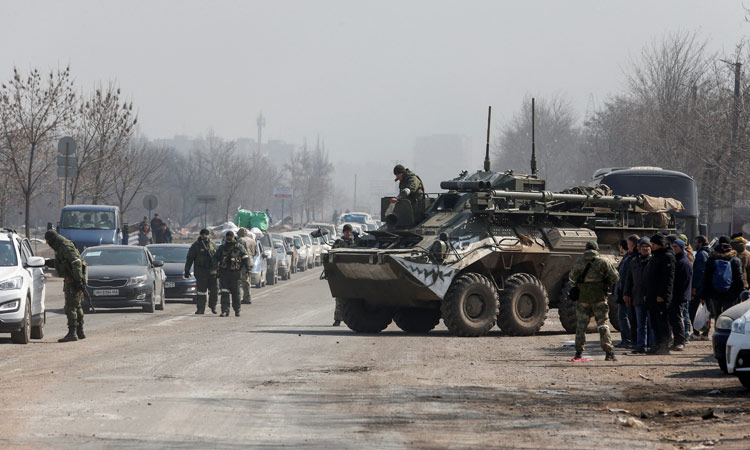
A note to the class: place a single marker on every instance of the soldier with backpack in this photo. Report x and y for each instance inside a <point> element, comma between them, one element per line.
<point>723,280</point>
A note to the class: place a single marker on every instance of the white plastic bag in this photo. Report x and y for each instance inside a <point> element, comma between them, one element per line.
<point>701,317</point>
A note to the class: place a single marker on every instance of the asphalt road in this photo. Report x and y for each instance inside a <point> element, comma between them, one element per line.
<point>280,375</point>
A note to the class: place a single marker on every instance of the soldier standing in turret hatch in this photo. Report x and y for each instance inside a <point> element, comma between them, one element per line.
<point>409,185</point>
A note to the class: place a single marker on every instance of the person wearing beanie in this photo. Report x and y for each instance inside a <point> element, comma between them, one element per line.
<point>72,269</point>
<point>200,258</point>
<point>659,282</point>
<point>688,248</point>
<point>723,280</point>
<point>410,186</point>
<point>635,295</point>
<point>593,276</point>
<point>231,258</point>
<point>629,251</point>
<point>681,293</point>
<point>702,254</point>
<point>739,245</point>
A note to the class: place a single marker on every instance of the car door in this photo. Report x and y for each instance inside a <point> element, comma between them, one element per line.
<point>157,273</point>
<point>38,281</point>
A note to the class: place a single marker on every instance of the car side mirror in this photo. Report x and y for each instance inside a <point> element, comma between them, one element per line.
<point>36,262</point>
<point>158,263</point>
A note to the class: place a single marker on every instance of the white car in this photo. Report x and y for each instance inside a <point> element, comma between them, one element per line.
<point>738,350</point>
<point>22,289</point>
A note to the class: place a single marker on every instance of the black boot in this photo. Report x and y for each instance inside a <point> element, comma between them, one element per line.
<point>199,311</point>
<point>336,323</point>
<point>80,333</point>
<point>213,309</point>
<point>610,357</point>
<point>70,337</point>
<point>578,355</point>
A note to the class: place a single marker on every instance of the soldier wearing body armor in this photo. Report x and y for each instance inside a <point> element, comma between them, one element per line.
<point>201,256</point>
<point>72,269</point>
<point>593,276</point>
<point>231,258</point>
<point>251,247</point>
<point>346,240</point>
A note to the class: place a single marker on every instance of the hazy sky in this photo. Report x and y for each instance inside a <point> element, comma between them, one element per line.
<point>368,77</point>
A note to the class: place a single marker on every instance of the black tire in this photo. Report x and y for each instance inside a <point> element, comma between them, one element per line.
<point>470,306</point>
<point>37,332</point>
<point>723,364</point>
<point>744,378</point>
<point>417,320</point>
<point>614,310</point>
<point>566,309</point>
<point>23,336</point>
<point>151,305</point>
<point>160,306</point>
<point>523,305</point>
<point>271,277</point>
<point>363,318</point>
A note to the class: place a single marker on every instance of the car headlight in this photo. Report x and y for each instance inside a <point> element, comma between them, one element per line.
<point>738,326</point>
<point>13,283</point>
<point>10,306</point>
<point>137,280</point>
<point>724,323</point>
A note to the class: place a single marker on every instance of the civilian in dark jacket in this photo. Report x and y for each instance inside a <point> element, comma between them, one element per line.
<point>628,251</point>
<point>156,223</point>
<point>699,271</point>
<point>720,301</point>
<point>659,284</point>
<point>681,293</point>
<point>166,234</point>
<point>634,294</point>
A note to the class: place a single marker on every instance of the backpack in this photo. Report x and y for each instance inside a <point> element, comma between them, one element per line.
<point>722,279</point>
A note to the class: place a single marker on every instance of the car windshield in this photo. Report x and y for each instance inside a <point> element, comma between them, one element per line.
<point>315,240</point>
<point>354,218</point>
<point>169,254</point>
<point>7,254</point>
<point>298,241</point>
<point>307,240</point>
<point>115,257</point>
<point>73,219</point>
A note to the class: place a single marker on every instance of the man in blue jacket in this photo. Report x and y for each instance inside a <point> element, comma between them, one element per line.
<point>703,252</point>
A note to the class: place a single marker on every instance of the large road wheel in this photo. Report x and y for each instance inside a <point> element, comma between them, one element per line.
<point>363,318</point>
<point>566,309</point>
<point>470,306</point>
<point>614,310</point>
<point>523,305</point>
<point>417,320</point>
<point>23,336</point>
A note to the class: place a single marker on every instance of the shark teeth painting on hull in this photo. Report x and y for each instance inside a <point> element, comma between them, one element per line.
<point>435,277</point>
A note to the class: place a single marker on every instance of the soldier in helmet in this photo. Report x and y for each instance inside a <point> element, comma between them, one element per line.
<point>593,276</point>
<point>231,258</point>
<point>346,240</point>
<point>71,267</point>
<point>251,247</point>
<point>201,255</point>
<point>409,185</point>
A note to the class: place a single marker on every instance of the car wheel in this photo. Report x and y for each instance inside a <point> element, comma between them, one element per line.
<point>23,336</point>
<point>723,364</point>
<point>744,379</point>
<point>151,306</point>
<point>160,306</point>
<point>37,332</point>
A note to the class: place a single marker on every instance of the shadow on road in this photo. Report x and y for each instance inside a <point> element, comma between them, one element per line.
<point>343,331</point>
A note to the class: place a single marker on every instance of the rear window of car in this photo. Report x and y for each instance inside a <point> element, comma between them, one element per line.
<point>115,257</point>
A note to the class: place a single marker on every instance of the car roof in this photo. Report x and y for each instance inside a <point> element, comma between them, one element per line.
<point>90,207</point>
<point>167,245</point>
<point>117,247</point>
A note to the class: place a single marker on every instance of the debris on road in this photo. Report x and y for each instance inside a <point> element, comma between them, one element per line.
<point>630,422</point>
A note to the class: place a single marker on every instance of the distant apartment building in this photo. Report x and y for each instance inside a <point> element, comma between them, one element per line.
<point>441,157</point>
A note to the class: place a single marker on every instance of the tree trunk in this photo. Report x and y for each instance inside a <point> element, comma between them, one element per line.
<point>27,222</point>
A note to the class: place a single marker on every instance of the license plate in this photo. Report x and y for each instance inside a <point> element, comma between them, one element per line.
<point>100,292</point>
<point>169,284</point>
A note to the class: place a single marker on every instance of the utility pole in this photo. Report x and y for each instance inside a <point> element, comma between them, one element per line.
<point>354,206</point>
<point>261,122</point>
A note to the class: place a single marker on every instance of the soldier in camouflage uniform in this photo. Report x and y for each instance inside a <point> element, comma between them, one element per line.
<point>252,250</point>
<point>231,259</point>
<point>409,185</point>
<point>346,240</point>
<point>70,266</point>
<point>596,276</point>
<point>201,256</point>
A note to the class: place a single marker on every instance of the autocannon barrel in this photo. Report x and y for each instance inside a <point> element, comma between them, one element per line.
<point>547,196</point>
<point>465,185</point>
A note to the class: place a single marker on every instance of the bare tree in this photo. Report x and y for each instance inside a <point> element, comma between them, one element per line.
<point>139,167</point>
<point>34,111</point>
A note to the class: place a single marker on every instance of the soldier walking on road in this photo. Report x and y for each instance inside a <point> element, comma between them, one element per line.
<point>252,250</point>
<point>231,258</point>
<point>201,255</point>
<point>72,269</point>
<point>346,240</point>
<point>593,276</point>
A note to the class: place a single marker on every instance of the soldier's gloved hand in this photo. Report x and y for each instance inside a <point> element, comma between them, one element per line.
<point>187,274</point>
<point>49,262</point>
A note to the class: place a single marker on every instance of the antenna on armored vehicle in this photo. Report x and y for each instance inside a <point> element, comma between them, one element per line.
<point>487,151</point>
<point>533,141</point>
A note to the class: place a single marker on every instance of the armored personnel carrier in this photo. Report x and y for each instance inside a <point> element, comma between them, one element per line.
<point>494,248</point>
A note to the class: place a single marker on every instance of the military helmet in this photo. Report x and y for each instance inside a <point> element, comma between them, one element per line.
<point>592,245</point>
<point>230,234</point>
<point>241,232</point>
<point>50,236</point>
<point>347,227</point>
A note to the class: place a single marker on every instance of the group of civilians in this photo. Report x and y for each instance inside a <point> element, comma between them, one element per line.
<point>663,281</point>
<point>160,232</point>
